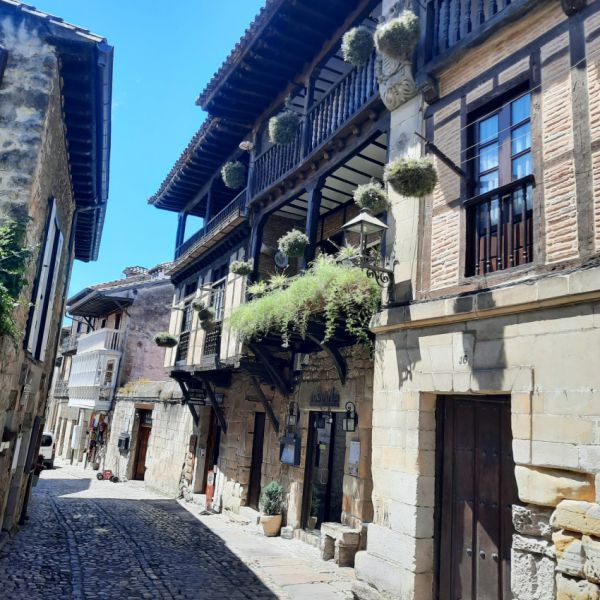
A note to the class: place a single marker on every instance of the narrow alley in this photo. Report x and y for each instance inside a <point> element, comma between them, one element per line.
<point>94,539</point>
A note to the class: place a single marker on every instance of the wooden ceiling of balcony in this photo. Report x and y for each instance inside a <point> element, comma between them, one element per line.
<point>340,184</point>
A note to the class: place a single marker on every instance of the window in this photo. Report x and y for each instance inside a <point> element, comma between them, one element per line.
<point>118,321</point>
<point>500,213</point>
<point>184,334</point>
<point>108,374</point>
<point>40,318</point>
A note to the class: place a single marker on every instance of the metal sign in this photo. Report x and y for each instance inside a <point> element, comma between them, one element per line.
<point>329,398</point>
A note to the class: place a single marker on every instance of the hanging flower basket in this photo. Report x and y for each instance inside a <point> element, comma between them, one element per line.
<point>234,175</point>
<point>241,267</point>
<point>204,312</point>
<point>283,128</point>
<point>413,177</point>
<point>293,244</point>
<point>165,340</point>
<point>207,325</point>
<point>397,38</point>
<point>372,196</point>
<point>357,46</point>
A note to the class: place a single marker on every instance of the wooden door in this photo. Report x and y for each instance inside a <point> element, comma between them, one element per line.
<point>257,456</point>
<point>478,489</point>
<point>213,443</point>
<point>142,447</point>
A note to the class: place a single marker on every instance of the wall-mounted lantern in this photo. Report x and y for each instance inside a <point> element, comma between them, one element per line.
<point>350,420</point>
<point>291,419</point>
<point>371,231</point>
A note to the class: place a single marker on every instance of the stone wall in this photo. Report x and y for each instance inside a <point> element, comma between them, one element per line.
<point>34,168</point>
<point>241,404</point>
<point>172,426</point>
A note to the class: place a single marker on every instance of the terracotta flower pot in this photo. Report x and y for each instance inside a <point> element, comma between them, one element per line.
<point>271,524</point>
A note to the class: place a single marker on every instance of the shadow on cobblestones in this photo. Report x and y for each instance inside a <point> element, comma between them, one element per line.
<point>83,547</point>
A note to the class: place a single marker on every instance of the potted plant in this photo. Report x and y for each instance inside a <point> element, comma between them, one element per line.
<point>284,127</point>
<point>271,502</point>
<point>165,340</point>
<point>293,243</point>
<point>234,175</point>
<point>397,38</point>
<point>413,177</point>
<point>241,267</point>
<point>357,46</point>
<point>372,196</point>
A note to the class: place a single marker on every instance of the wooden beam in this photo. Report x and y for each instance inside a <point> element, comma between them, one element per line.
<point>194,414</point>
<point>274,374</point>
<point>338,360</point>
<point>265,402</point>
<point>216,407</point>
<point>312,221</point>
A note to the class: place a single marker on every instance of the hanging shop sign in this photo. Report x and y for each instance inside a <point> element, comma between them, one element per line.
<point>325,398</point>
<point>289,450</point>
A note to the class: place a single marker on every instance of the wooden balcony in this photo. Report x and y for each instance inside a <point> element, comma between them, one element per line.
<point>218,227</point>
<point>320,124</point>
<point>453,26</point>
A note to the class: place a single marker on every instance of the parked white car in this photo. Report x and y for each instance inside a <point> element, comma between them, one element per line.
<point>48,448</point>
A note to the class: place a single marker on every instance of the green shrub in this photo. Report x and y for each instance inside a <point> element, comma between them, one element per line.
<point>14,259</point>
<point>357,46</point>
<point>284,127</point>
<point>234,175</point>
<point>271,499</point>
<point>343,295</point>
<point>259,288</point>
<point>397,38</point>
<point>278,281</point>
<point>165,340</point>
<point>413,177</point>
<point>348,254</point>
<point>293,243</point>
<point>371,196</point>
<point>241,267</point>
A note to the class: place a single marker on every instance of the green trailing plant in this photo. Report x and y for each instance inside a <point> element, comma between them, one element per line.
<point>413,177</point>
<point>347,255</point>
<point>241,267</point>
<point>165,340</point>
<point>234,175</point>
<point>293,243</point>
<point>204,312</point>
<point>278,281</point>
<point>257,289</point>
<point>283,127</point>
<point>397,38</point>
<point>14,260</point>
<point>372,196</point>
<point>357,46</point>
<point>271,499</point>
<point>342,295</point>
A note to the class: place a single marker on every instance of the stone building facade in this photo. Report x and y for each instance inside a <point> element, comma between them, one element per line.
<point>485,456</point>
<point>110,344</point>
<point>41,182</point>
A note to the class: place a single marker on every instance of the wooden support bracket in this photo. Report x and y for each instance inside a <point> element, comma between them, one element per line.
<point>274,374</point>
<point>338,360</point>
<point>265,402</point>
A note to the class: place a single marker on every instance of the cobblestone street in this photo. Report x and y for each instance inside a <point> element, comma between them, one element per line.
<point>94,539</point>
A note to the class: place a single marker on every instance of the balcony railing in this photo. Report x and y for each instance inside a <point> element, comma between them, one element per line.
<point>450,22</point>
<point>103,339</point>
<point>233,211</point>
<point>61,389</point>
<point>501,228</point>
<point>92,397</point>
<point>344,101</point>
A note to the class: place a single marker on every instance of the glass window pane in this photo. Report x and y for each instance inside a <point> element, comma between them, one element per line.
<point>488,182</point>
<point>521,166</point>
<point>521,138</point>
<point>494,212</point>
<point>520,109</point>
<point>488,157</point>
<point>488,129</point>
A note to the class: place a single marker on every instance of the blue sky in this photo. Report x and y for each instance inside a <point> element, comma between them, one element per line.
<point>165,52</point>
